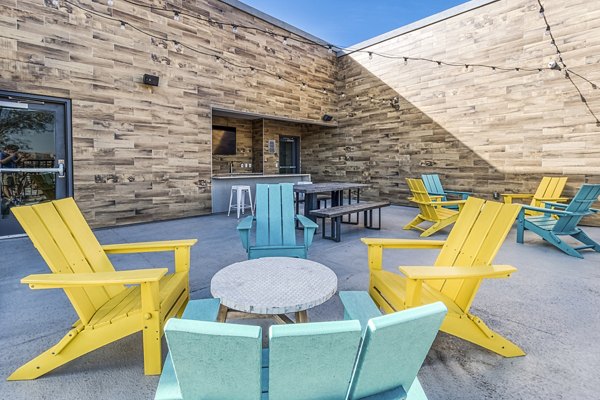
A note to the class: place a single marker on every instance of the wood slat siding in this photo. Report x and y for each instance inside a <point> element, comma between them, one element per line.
<point>480,130</point>
<point>144,153</point>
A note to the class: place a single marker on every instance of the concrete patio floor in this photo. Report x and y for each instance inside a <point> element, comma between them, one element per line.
<point>549,308</point>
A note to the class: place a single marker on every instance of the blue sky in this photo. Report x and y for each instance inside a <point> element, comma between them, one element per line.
<point>348,22</point>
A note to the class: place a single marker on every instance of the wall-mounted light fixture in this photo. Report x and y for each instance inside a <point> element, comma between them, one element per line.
<point>151,80</point>
<point>326,117</point>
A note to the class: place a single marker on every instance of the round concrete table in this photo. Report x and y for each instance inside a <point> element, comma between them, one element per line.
<point>273,286</point>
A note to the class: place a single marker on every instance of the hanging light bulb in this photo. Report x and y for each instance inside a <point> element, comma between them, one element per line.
<point>370,55</point>
<point>303,85</point>
<point>55,3</point>
<point>110,3</point>
<point>330,49</point>
<point>439,63</point>
<point>285,42</point>
<point>547,32</point>
<point>234,28</point>
<point>405,61</point>
<point>278,77</point>
<point>178,47</point>
<point>542,11</point>
<point>217,58</point>
<point>324,91</point>
<point>176,16</point>
<point>123,25</point>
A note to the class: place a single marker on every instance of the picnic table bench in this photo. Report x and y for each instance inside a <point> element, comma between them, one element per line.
<point>336,213</point>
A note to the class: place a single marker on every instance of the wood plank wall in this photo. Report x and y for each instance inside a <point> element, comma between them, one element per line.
<point>482,130</point>
<point>144,153</point>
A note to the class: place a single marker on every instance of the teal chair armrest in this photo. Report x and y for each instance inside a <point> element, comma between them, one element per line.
<point>464,195</point>
<point>309,229</point>
<point>244,230</point>
<point>549,204</point>
<point>543,210</point>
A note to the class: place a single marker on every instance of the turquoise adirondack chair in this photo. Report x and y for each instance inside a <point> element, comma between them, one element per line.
<point>275,224</point>
<point>199,310</point>
<point>434,187</point>
<point>224,361</point>
<point>568,216</point>
<point>393,347</point>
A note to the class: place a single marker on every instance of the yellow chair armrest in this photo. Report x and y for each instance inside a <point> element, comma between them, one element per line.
<point>425,273</point>
<point>137,276</point>
<point>555,199</point>
<point>509,196</point>
<point>404,243</point>
<point>147,247</point>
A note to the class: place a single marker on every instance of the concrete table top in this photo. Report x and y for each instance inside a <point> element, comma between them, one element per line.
<point>273,285</point>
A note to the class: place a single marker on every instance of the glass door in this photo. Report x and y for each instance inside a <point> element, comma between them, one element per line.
<point>289,155</point>
<point>34,150</point>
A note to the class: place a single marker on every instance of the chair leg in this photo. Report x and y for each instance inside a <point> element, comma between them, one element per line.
<point>520,230</point>
<point>251,205</point>
<point>239,201</point>
<point>230,199</point>
<point>566,248</point>
<point>437,226</point>
<point>70,347</point>
<point>413,224</point>
<point>474,330</point>
<point>585,239</point>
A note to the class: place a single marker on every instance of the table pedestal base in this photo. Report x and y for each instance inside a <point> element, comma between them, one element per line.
<point>224,312</point>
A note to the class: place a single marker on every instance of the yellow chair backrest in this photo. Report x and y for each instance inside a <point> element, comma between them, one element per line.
<point>474,241</point>
<point>422,198</point>
<point>64,239</point>
<point>549,188</point>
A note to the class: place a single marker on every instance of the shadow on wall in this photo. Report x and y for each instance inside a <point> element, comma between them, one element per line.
<point>382,138</point>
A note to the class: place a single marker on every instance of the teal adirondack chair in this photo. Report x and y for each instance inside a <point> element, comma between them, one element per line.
<point>393,347</point>
<point>569,216</point>
<point>199,310</point>
<point>318,361</point>
<point>312,361</point>
<point>434,188</point>
<point>275,224</point>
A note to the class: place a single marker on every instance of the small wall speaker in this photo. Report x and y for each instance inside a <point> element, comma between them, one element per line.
<point>151,80</point>
<point>326,117</point>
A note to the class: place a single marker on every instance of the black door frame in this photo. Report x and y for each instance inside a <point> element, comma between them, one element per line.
<point>68,128</point>
<point>295,153</point>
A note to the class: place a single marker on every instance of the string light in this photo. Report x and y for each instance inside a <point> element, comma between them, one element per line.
<point>439,63</point>
<point>330,50</point>
<point>234,28</point>
<point>176,16</point>
<point>542,11</point>
<point>55,3</point>
<point>212,22</point>
<point>285,41</point>
<point>110,3</point>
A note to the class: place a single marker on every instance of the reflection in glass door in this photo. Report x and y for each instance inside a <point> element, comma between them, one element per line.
<point>33,154</point>
<point>289,155</point>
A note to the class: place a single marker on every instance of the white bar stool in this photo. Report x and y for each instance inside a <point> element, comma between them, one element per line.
<point>240,191</point>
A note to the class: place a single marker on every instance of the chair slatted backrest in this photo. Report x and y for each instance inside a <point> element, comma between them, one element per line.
<point>312,361</point>
<point>474,241</point>
<point>421,197</point>
<point>581,204</point>
<point>275,215</point>
<point>60,233</point>
<point>214,360</point>
<point>550,187</point>
<point>393,349</point>
<point>433,184</point>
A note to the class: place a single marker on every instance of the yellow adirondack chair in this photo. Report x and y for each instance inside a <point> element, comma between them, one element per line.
<point>550,189</point>
<point>431,209</point>
<point>110,304</point>
<point>464,261</point>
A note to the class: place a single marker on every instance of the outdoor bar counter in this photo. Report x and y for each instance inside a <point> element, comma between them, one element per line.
<point>221,185</point>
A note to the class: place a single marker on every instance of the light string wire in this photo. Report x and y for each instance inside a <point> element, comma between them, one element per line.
<point>217,56</point>
<point>178,12</point>
<point>568,72</point>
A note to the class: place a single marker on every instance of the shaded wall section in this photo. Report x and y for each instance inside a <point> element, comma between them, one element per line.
<point>483,130</point>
